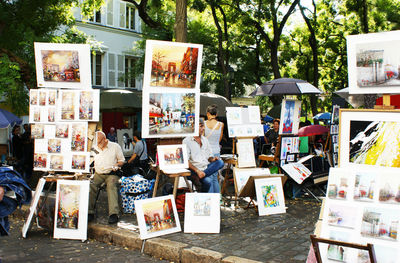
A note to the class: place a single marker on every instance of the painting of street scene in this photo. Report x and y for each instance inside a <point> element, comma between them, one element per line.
<point>174,66</point>
<point>40,161</point>
<point>52,97</point>
<point>378,64</point>
<point>68,105</point>
<point>33,97</point>
<point>51,114</point>
<point>62,130</point>
<point>79,132</point>
<point>37,131</point>
<point>56,162</point>
<point>54,146</point>
<point>201,205</point>
<point>78,162</point>
<point>171,113</point>
<point>68,206</point>
<point>42,98</point>
<point>86,105</point>
<point>60,65</point>
<point>389,188</point>
<point>335,252</point>
<point>172,156</point>
<point>380,223</point>
<point>159,215</point>
<point>374,142</point>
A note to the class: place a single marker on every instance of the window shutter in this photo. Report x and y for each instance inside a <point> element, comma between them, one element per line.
<point>111,70</point>
<point>110,10</point>
<point>122,15</point>
<point>121,71</point>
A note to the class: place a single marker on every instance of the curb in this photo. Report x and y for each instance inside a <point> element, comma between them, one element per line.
<point>159,247</point>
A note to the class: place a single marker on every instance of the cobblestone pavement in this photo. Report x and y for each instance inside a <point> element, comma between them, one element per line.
<point>274,238</point>
<point>39,246</point>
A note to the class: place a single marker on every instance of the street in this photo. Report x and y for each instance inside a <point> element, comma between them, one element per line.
<point>39,246</point>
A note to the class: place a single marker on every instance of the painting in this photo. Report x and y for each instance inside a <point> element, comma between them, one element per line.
<point>78,137</point>
<point>157,216</point>
<point>286,147</point>
<point>297,171</point>
<point>290,117</point>
<point>54,146</point>
<point>52,97</point>
<point>45,211</point>
<point>62,130</point>
<point>67,105</point>
<point>364,186</point>
<point>63,65</point>
<point>33,97</point>
<point>335,252</point>
<point>240,176</point>
<point>40,161</point>
<point>369,138</point>
<point>80,162</point>
<point>245,151</point>
<point>202,213</point>
<point>57,162</point>
<point>380,223</point>
<point>233,115</point>
<point>373,63</point>
<point>170,115</point>
<point>37,131</point>
<point>339,184</point>
<point>172,65</point>
<point>70,221</point>
<point>389,188</point>
<point>341,215</point>
<point>335,114</point>
<point>125,139</point>
<point>172,157</point>
<point>270,199</point>
<point>33,205</point>
<point>254,114</point>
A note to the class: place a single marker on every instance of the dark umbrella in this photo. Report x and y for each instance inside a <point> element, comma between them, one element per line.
<point>207,99</point>
<point>312,130</point>
<point>324,116</point>
<point>285,86</point>
<point>7,119</point>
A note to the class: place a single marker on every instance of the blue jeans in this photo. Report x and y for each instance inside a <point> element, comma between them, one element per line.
<point>210,181</point>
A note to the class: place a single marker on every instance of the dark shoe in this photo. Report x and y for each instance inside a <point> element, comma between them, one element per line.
<point>113,219</point>
<point>196,181</point>
<point>90,217</point>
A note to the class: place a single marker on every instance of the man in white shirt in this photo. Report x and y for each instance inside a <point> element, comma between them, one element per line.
<point>202,162</point>
<point>106,162</point>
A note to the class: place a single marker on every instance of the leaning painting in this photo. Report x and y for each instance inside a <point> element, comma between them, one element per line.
<point>270,199</point>
<point>369,137</point>
<point>70,220</point>
<point>373,63</point>
<point>63,65</point>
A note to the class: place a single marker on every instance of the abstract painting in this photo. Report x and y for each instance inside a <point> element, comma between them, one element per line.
<point>270,198</point>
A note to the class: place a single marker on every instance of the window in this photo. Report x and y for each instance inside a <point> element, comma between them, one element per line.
<point>130,17</point>
<point>97,69</point>
<point>130,81</point>
<point>96,17</point>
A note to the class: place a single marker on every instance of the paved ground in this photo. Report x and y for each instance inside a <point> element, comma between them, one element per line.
<point>39,246</point>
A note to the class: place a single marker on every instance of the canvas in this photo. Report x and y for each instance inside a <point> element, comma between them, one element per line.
<point>33,205</point>
<point>373,63</point>
<point>42,105</point>
<point>369,138</point>
<point>157,216</point>
<point>245,151</point>
<point>72,199</point>
<point>240,176</point>
<point>297,171</point>
<point>78,105</point>
<point>244,122</point>
<point>63,65</point>
<point>172,65</point>
<point>270,199</point>
<point>170,114</point>
<point>45,211</point>
<point>202,213</point>
<point>172,157</point>
<point>125,138</point>
<point>290,117</point>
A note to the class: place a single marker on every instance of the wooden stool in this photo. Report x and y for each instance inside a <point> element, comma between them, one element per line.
<point>176,180</point>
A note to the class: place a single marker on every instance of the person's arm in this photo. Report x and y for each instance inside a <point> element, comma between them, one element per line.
<point>132,158</point>
<point>120,156</point>
<point>222,132</point>
<point>199,172</point>
<point>2,191</point>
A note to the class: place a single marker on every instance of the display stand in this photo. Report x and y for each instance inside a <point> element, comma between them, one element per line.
<point>315,240</point>
<point>176,177</point>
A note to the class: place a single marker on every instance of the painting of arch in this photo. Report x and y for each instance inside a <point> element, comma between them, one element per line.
<point>157,216</point>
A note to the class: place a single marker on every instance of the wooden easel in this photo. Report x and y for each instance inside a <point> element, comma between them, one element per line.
<point>385,103</point>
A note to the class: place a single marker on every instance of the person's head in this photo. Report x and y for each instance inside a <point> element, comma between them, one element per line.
<point>212,111</point>
<point>16,129</point>
<point>26,127</point>
<point>276,124</point>
<point>137,136</point>
<point>101,139</point>
<point>201,126</point>
<point>112,130</point>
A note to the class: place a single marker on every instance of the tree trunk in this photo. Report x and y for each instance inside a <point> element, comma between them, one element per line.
<point>181,21</point>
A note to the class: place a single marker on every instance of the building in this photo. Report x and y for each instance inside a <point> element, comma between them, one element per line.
<point>118,27</point>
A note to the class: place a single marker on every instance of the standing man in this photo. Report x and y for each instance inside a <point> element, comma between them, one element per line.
<point>112,136</point>
<point>106,162</point>
<point>202,163</point>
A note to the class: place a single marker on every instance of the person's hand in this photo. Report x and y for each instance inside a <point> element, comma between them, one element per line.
<point>1,193</point>
<point>115,167</point>
<point>201,174</point>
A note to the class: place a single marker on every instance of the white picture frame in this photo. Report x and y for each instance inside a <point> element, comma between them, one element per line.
<point>242,175</point>
<point>202,213</point>
<point>245,151</point>
<point>53,58</point>
<point>270,198</point>
<point>33,205</point>
<point>172,157</point>
<point>290,117</point>
<point>72,197</point>
<point>153,208</point>
<point>373,62</point>
<point>125,139</point>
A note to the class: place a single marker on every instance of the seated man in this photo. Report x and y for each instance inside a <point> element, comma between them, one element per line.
<point>202,163</point>
<point>106,162</point>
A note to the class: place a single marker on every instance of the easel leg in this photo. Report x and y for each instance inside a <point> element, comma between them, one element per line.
<point>156,184</point>
<point>143,243</point>
<point>175,186</point>
<point>187,184</point>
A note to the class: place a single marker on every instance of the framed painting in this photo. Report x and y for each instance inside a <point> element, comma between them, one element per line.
<point>373,63</point>
<point>245,151</point>
<point>369,137</point>
<point>233,116</point>
<point>172,65</point>
<point>32,208</point>
<point>40,162</point>
<point>202,213</point>
<point>240,176</point>
<point>170,114</point>
<point>80,162</point>
<point>79,136</point>
<point>335,114</point>
<point>270,199</point>
<point>171,157</point>
<point>157,216</point>
<point>290,117</point>
<point>72,200</point>
<point>63,65</point>
<point>124,139</point>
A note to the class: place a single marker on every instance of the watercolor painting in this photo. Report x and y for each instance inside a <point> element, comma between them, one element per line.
<point>42,97</point>
<point>78,137</point>
<point>380,223</point>
<point>335,252</point>
<point>86,106</point>
<point>62,130</point>
<point>60,65</point>
<point>37,131</point>
<point>202,213</point>
<point>364,187</point>
<point>33,97</point>
<point>78,162</point>
<point>341,215</point>
<point>270,198</point>
<point>290,117</point>
<point>40,161</point>
<point>52,97</point>
<point>54,145</point>
<point>68,105</point>
<point>172,156</point>
<point>57,162</point>
<point>389,188</point>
